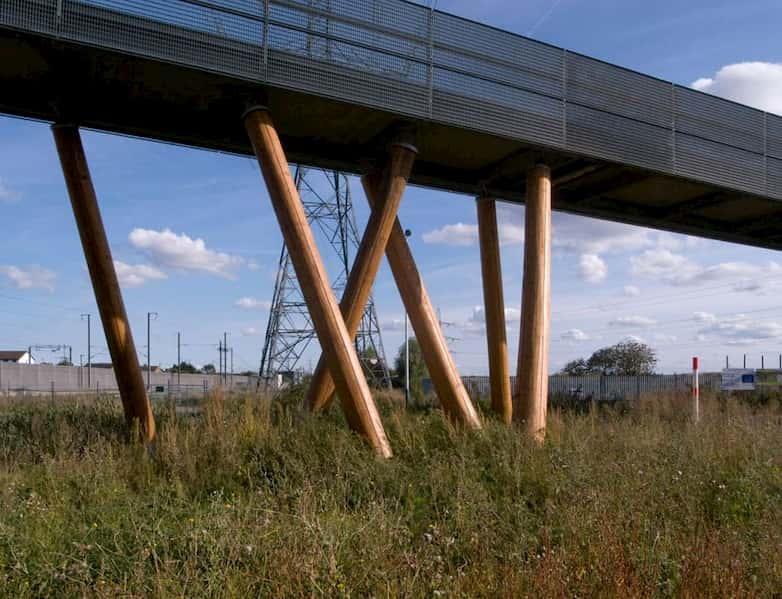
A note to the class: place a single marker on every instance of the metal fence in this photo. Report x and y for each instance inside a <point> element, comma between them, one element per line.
<point>407,59</point>
<point>602,388</point>
<point>22,379</point>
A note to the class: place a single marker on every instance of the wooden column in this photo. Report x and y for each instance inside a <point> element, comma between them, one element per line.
<point>446,380</point>
<point>338,350</point>
<point>104,280</point>
<point>391,186</point>
<point>532,377</point>
<point>494,309</point>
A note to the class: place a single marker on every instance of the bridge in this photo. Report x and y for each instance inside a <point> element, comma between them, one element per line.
<point>464,107</point>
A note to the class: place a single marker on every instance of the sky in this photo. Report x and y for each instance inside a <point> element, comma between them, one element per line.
<point>196,242</point>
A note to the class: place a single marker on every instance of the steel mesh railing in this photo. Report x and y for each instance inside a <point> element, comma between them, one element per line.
<point>404,58</point>
<point>602,388</point>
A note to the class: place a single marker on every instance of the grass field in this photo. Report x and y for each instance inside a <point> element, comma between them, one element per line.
<point>250,499</point>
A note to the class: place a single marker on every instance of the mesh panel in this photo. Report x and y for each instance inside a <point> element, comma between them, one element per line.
<point>720,164</point>
<point>526,116</point>
<point>171,30</point>
<point>612,137</point>
<point>599,85</point>
<point>36,15</point>
<point>404,58</point>
<point>774,178</point>
<point>718,120</point>
<point>774,132</point>
<point>371,55</point>
<point>487,53</point>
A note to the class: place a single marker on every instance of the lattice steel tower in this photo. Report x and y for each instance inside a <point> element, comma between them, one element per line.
<point>289,332</point>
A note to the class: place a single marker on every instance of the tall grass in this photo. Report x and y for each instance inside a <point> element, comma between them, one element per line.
<point>250,498</point>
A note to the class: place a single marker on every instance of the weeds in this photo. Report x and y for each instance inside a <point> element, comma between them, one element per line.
<point>250,498</point>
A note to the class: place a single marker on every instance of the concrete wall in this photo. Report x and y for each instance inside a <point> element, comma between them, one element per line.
<point>45,378</point>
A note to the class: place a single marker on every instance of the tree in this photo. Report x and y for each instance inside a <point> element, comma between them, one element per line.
<point>208,369</point>
<point>576,368</point>
<point>627,358</point>
<point>418,370</point>
<point>603,361</point>
<point>634,358</point>
<point>185,367</point>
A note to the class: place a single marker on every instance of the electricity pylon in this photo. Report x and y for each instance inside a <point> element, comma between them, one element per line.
<point>327,203</point>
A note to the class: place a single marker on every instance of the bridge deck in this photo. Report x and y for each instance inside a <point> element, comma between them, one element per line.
<point>338,73</point>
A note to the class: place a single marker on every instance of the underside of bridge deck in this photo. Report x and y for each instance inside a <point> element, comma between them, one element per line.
<point>52,80</point>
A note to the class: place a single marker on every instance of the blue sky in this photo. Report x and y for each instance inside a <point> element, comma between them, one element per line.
<point>195,233</point>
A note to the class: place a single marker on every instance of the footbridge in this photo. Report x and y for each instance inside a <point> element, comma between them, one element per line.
<point>395,92</point>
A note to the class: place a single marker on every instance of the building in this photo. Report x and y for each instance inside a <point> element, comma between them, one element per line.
<point>20,356</point>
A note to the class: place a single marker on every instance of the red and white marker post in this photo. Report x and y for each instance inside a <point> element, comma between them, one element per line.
<point>696,415</point>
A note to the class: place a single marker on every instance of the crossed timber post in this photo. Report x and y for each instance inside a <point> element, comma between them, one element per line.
<point>108,295</point>
<point>358,288</point>
<point>384,233</point>
<point>445,377</point>
<point>531,394</point>
<point>337,347</point>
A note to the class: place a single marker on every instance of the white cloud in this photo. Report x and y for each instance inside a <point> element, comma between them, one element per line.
<point>512,315</point>
<point>663,265</point>
<point>130,275</point>
<point>704,317</point>
<point>252,303</point>
<point>181,252</point>
<point>593,268</point>
<point>479,315</point>
<point>632,291</point>
<point>511,234</point>
<point>574,335</point>
<point>659,263</point>
<point>663,338</point>
<point>8,195</point>
<point>396,324</point>
<point>253,265</point>
<point>632,321</point>
<point>32,277</point>
<point>676,241</point>
<point>458,234</point>
<point>635,338</point>
<point>738,329</point>
<point>592,236</point>
<point>757,84</point>
<point>250,332</point>
<point>464,235</point>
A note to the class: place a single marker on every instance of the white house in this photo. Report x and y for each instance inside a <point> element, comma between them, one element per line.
<point>20,356</point>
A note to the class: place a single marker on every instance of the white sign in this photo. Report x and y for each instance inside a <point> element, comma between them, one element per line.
<point>738,379</point>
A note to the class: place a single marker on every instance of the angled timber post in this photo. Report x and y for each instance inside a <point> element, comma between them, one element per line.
<point>494,309</point>
<point>392,184</point>
<point>445,377</point>
<point>339,352</point>
<point>104,280</point>
<point>531,399</point>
